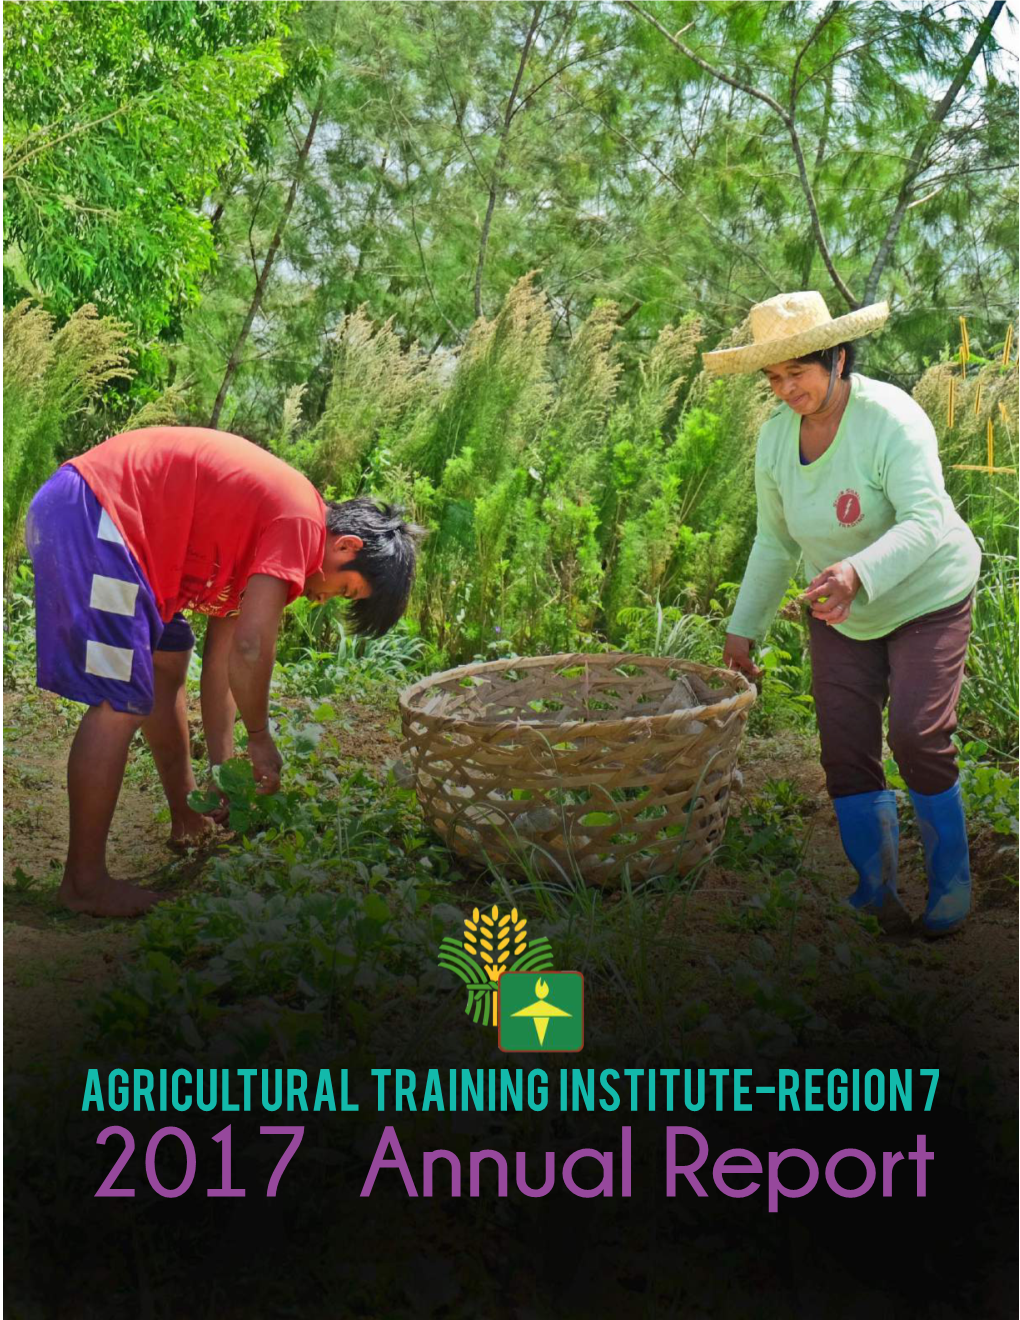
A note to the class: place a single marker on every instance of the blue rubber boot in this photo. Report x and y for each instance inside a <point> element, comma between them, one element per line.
<point>947,859</point>
<point>870,834</point>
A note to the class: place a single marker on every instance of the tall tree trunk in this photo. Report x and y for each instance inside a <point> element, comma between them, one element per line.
<point>368,229</point>
<point>823,142</point>
<point>234,361</point>
<point>917,157</point>
<point>495,184</point>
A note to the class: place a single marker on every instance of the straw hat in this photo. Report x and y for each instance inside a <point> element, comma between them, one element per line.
<point>790,326</point>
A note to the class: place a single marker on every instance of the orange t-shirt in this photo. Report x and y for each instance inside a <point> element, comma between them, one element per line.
<point>203,510</point>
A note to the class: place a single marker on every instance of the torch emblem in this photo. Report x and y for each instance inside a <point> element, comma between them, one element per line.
<point>540,1012</point>
<point>543,1015</point>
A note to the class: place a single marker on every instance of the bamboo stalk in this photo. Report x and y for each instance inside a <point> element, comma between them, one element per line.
<point>977,400</point>
<point>1008,346</point>
<point>964,347</point>
<point>991,444</point>
<point>951,404</point>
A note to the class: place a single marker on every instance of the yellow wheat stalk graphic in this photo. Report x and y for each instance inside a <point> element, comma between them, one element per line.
<point>489,946</point>
<point>488,936</point>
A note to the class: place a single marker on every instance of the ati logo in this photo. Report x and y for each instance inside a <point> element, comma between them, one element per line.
<point>848,508</point>
<point>541,1013</point>
<point>510,984</point>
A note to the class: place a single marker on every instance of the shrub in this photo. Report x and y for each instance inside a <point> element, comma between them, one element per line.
<point>49,378</point>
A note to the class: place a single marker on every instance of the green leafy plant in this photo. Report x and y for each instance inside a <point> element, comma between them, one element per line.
<point>768,833</point>
<point>989,697</point>
<point>117,122</point>
<point>991,794</point>
<point>769,909</point>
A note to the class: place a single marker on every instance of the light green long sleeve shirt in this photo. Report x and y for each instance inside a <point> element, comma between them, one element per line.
<point>876,497</point>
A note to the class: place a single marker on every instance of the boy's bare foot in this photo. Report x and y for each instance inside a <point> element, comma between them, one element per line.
<point>105,897</point>
<point>189,829</point>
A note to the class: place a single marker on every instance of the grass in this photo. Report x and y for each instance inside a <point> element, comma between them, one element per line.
<point>321,921</point>
<point>321,924</point>
<point>989,700</point>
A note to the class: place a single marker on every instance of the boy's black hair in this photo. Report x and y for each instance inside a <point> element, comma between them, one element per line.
<point>826,356</point>
<point>386,559</point>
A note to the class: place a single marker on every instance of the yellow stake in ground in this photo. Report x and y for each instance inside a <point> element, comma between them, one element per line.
<point>541,1011</point>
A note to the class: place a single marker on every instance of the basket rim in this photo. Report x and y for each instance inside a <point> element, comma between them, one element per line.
<point>745,695</point>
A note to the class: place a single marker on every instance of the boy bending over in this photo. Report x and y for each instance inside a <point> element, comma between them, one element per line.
<point>166,519</point>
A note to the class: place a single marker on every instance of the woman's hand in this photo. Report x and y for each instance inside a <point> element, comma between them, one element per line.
<point>737,655</point>
<point>831,593</point>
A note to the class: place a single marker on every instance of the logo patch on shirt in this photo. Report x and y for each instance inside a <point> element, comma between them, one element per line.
<point>848,508</point>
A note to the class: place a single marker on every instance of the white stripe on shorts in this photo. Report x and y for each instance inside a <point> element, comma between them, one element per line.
<point>113,595</point>
<point>107,531</point>
<point>109,661</point>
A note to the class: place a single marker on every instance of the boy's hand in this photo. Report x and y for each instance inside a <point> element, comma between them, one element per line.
<point>831,593</point>
<point>737,655</point>
<point>210,801</point>
<point>219,814</point>
<point>266,761</point>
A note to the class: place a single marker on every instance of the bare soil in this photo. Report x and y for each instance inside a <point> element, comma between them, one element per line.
<point>52,957</point>
<point>54,960</point>
<point>972,975</point>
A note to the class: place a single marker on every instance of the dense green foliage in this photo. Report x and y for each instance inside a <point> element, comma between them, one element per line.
<point>49,378</point>
<point>119,122</point>
<point>554,501</point>
<point>452,148</point>
<point>454,154</point>
<point>466,256</point>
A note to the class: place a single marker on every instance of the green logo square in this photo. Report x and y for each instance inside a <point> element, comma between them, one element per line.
<point>541,1012</point>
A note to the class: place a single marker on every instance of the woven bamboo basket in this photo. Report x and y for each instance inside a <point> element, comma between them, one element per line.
<point>578,766</point>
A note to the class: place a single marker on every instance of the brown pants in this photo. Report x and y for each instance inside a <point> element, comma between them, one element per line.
<point>918,669</point>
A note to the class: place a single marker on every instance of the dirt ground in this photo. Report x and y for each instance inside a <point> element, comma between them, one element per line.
<point>973,973</point>
<point>53,959</point>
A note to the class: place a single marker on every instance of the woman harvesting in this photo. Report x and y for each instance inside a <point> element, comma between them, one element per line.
<point>847,476</point>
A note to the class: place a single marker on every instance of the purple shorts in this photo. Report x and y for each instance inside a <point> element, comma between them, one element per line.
<point>96,620</point>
